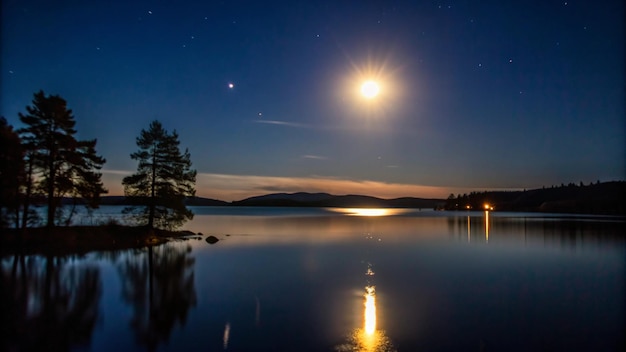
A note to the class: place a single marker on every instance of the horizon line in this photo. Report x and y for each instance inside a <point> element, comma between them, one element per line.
<point>232,187</point>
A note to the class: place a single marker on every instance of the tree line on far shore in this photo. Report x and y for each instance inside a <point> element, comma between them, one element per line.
<point>594,198</point>
<point>43,162</point>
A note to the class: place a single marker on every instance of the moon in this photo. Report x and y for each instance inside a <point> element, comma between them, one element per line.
<point>370,89</point>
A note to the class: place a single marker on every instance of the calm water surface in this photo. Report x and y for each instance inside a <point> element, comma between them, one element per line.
<point>285,279</point>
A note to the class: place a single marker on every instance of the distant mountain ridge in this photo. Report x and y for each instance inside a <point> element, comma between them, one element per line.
<point>599,198</point>
<point>298,199</point>
<point>303,199</point>
<point>122,200</point>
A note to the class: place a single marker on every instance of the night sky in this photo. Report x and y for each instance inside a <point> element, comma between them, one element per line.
<point>474,95</point>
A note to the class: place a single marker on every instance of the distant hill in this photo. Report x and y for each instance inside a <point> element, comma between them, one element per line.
<point>200,201</point>
<point>303,199</point>
<point>607,198</point>
<point>121,200</point>
<point>300,199</point>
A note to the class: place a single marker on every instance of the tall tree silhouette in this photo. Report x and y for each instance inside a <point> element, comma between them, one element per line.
<point>62,164</point>
<point>11,172</point>
<point>164,178</point>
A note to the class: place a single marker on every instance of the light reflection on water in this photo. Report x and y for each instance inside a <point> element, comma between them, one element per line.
<point>361,341</point>
<point>486,225</point>
<point>485,278</point>
<point>370,310</point>
<point>368,338</point>
<point>371,211</point>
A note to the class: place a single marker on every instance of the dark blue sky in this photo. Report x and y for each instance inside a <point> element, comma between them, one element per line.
<point>474,95</point>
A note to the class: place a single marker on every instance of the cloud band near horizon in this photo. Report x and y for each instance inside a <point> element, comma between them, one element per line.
<point>237,187</point>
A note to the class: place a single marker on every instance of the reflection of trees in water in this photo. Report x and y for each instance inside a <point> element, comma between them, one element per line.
<point>537,230</point>
<point>47,304</point>
<point>159,284</point>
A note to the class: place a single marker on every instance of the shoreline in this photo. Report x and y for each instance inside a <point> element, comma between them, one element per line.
<point>79,240</point>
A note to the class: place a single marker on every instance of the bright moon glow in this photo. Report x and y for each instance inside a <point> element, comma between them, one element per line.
<point>231,86</point>
<point>370,89</point>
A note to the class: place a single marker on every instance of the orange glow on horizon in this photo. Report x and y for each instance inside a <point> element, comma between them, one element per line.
<point>367,211</point>
<point>230,187</point>
<point>370,212</point>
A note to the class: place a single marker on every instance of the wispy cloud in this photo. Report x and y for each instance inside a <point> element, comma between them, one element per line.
<point>236,187</point>
<point>112,180</point>
<point>333,127</point>
<point>315,157</point>
<point>283,123</point>
<point>116,172</point>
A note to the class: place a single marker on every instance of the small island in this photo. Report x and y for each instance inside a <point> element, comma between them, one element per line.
<point>44,166</point>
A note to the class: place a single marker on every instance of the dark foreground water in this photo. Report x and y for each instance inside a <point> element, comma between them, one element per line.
<point>321,280</point>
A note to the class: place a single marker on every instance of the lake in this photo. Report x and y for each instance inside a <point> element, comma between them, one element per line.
<point>308,279</point>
